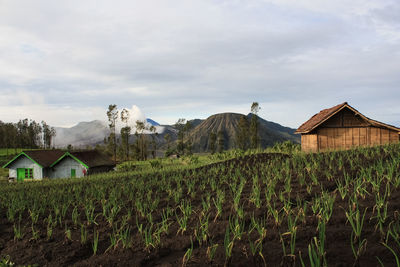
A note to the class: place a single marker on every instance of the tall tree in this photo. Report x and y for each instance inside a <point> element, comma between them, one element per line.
<point>180,126</point>
<point>221,141</point>
<point>154,136</point>
<point>212,142</point>
<point>112,114</point>
<point>141,142</point>
<point>167,138</point>
<point>242,136</point>
<point>189,144</point>
<point>34,131</point>
<point>125,132</point>
<point>254,137</point>
<point>48,134</point>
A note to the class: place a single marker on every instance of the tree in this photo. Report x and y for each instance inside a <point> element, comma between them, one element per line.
<point>254,137</point>
<point>141,141</point>
<point>34,131</point>
<point>167,138</point>
<point>125,132</point>
<point>26,133</point>
<point>180,126</point>
<point>242,138</point>
<point>212,141</point>
<point>221,141</point>
<point>112,114</point>
<point>48,134</point>
<point>154,135</point>
<point>188,145</point>
<point>169,151</point>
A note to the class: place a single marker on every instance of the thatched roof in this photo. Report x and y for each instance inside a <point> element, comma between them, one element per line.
<point>325,114</point>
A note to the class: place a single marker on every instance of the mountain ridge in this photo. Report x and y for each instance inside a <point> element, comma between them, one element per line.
<point>92,133</point>
<point>269,132</point>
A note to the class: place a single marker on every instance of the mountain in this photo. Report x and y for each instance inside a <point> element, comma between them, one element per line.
<point>154,123</point>
<point>82,134</point>
<point>269,132</point>
<point>92,133</point>
<point>195,122</point>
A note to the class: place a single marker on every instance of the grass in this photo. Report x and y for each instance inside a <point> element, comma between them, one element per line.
<point>230,207</point>
<point>11,151</point>
<point>3,173</point>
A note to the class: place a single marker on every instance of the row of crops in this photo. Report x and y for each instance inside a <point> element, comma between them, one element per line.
<point>264,209</point>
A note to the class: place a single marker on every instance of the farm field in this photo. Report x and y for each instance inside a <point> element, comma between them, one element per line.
<point>12,151</point>
<point>261,209</point>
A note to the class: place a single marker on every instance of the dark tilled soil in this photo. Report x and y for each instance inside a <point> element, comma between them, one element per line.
<point>60,251</point>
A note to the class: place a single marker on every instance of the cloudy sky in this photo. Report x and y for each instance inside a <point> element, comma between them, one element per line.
<point>66,61</point>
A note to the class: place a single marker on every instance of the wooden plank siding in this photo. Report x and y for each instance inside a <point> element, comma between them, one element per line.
<point>309,142</point>
<point>346,138</point>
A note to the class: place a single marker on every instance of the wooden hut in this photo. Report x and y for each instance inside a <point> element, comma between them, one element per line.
<point>343,127</point>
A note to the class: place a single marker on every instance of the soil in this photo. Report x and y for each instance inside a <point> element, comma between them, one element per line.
<point>61,251</point>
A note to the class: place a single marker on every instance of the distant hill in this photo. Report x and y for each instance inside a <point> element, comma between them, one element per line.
<point>154,123</point>
<point>269,132</point>
<point>195,122</point>
<point>92,133</point>
<point>82,134</point>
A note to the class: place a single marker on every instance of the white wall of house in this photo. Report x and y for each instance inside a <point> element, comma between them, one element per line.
<point>63,168</point>
<point>24,162</point>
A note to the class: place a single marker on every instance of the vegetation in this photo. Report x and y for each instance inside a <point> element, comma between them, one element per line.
<point>254,125</point>
<point>112,115</point>
<point>242,137</point>
<point>25,134</point>
<point>234,208</point>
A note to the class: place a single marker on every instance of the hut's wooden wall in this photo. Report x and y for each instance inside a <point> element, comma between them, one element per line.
<point>346,138</point>
<point>345,118</point>
<point>309,142</point>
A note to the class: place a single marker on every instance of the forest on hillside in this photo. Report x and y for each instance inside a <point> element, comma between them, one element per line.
<point>26,133</point>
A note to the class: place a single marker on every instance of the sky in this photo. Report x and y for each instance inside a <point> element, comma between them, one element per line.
<point>65,61</point>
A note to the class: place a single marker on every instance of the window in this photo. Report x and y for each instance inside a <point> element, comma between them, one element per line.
<point>28,173</point>
<point>73,173</point>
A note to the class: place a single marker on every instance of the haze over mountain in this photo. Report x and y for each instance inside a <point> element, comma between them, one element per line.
<point>91,133</point>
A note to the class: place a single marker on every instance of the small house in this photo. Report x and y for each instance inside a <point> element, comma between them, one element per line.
<point>34,164</point>
<point>79,164</point>
<point>38,164</point>
<point>343,127</point>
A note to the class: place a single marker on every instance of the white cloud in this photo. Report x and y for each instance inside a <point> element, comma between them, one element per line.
<point>65,62</point>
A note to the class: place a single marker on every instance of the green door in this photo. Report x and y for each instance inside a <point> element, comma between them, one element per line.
<point>73,173</point>
<point>20,174</point>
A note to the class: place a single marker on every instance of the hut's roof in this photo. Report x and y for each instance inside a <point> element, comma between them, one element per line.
<point>325,114</point>
<point>89,159</point>
<point>93,158</point>
<point>44,158</point>
<point>49,158</point>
